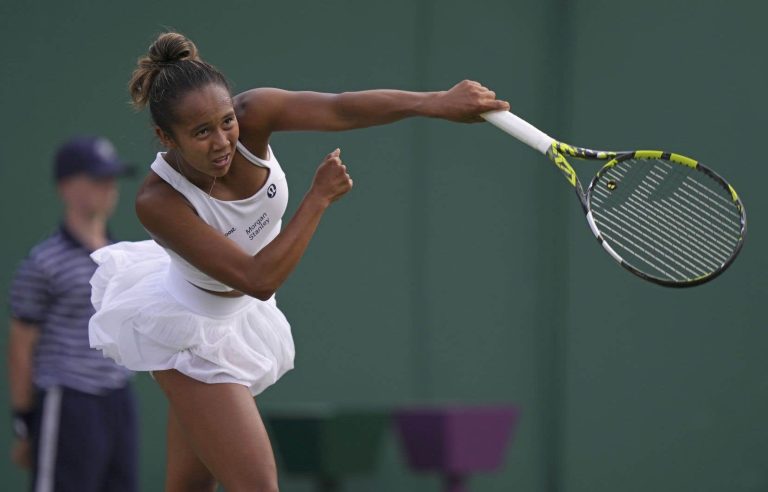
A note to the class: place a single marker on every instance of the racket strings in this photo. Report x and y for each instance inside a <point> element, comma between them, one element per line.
<point>681,253</point>
<point>667,220</point>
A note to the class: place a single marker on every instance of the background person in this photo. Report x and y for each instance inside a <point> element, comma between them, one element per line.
<point>74,411</point>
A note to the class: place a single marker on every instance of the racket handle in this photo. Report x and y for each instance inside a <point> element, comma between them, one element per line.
<point>520,129</point>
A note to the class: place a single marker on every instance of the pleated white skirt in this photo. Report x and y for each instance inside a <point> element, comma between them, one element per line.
<point>149,318</point>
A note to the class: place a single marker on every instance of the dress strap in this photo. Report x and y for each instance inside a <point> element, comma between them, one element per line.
<point>162,168</point>
<point>252,157</point>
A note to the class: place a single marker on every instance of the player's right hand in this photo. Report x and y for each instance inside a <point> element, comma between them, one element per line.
<point>331,179</point>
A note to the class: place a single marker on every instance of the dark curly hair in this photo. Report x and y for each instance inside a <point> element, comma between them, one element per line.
<point>171,69</point>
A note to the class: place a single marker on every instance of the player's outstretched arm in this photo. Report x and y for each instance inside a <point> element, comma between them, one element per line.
<point>267,110</point>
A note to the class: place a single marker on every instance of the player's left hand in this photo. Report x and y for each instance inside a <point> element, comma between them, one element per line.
<point>466,101</point>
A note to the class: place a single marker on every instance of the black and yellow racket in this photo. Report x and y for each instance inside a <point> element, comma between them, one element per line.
<point>662,216</point>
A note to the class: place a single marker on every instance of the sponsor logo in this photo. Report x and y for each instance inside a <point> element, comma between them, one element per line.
<point>257,226</point>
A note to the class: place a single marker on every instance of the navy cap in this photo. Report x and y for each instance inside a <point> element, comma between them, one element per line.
<point>92,156</point>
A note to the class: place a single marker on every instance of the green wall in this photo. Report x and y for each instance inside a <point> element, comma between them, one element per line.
<point>459,268</point>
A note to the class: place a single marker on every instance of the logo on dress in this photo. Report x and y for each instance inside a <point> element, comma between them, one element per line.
<point>272,191</point>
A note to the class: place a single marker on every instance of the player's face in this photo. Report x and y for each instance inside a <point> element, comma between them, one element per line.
<point>205,132</point>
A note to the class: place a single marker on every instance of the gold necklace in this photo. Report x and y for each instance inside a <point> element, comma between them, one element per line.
<point>212,185</point>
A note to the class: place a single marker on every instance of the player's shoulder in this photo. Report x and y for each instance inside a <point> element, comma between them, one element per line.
<point>152,189</point>
<point>155,197</point>
<point>257,98</point>
<point>256,109</point>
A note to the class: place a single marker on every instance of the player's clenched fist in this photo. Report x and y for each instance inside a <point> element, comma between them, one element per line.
<point>331,179</point>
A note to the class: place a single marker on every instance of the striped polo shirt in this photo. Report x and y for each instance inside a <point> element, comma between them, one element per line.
<point>52,290</point>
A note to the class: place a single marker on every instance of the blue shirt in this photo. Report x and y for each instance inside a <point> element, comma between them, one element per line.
<point>52,290</point>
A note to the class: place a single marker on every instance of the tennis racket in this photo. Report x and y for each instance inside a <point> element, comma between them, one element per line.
<point>662,216</point>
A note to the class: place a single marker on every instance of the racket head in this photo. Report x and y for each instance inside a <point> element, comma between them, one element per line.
<point>666,217</point>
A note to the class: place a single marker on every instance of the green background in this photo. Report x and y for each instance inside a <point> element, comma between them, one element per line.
<point>459,268</point>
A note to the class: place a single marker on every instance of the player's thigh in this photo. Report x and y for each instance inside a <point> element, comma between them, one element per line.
<point>184,470</point>
<point>224,429</point>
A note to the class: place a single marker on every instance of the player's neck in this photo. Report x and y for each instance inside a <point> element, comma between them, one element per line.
<point>91,231</point>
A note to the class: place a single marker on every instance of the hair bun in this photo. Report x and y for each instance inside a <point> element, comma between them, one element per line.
<point>171,68</point>
<point>171,47</point>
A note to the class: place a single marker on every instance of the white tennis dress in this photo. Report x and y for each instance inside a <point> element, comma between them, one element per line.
<point>151,316</point>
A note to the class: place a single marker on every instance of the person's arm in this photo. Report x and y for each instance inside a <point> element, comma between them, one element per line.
<point>266,110</point>
<point>21,349</point>
<point>30,300</point>
<point>167,216</point>
<point>22,341</point>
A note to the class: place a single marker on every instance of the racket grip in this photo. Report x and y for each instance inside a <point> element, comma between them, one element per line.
<point>520,129</point>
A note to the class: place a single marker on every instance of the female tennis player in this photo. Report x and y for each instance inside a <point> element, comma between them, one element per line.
<point>196,305</point>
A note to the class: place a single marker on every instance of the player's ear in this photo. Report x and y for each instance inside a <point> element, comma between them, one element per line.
<point>165,139</point>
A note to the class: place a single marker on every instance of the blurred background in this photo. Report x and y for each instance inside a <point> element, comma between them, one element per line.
<point>459,270</point>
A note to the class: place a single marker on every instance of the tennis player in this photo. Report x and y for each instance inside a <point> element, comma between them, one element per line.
<point>196,306</point>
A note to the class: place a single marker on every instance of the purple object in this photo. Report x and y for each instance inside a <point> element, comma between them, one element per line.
<point>456,441</point>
